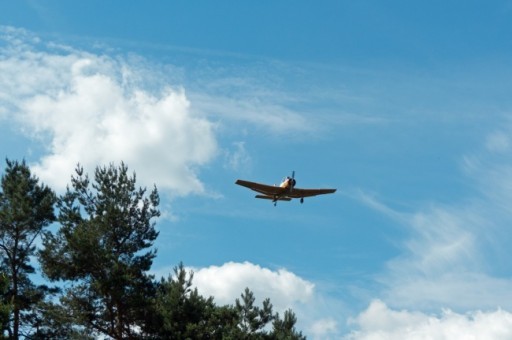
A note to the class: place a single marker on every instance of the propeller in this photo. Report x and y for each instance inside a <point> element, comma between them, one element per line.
<point>293,180</point>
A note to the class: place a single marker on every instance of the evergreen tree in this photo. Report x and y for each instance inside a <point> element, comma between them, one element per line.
<point>101,250</point>
<point>182,313</point>
<point>284,329</point>
<point>26,208</point>
<point>253,319</point>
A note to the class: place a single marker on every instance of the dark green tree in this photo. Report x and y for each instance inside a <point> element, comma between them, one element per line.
<point>5,305</point>
<point>284,329</point>
<point>102,250</point>
<point>26,208</point>
<point>182,313</point>
<point>253,319</point>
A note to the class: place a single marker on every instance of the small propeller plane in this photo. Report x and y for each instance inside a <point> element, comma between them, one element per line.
<point>284,192</point>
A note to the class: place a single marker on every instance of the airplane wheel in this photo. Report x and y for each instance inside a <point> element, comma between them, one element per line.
<point>302,200</point>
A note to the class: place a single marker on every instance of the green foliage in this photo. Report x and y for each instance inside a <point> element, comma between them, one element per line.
<point>100,250</point>
<point>184,314</point>
<point>252,318</point>
<point>5,305</point>
<point>26,208</point>
<point>285,329</point>
<point>253,321</point>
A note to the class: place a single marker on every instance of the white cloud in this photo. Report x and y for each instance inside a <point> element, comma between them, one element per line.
<point>379,322</point>
<point>96,110</point>
<point>315,310</point>
<point>323,328</point>
<point>227,282</point>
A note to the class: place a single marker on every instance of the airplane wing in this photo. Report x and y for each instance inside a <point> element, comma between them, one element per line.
<point>299,193</point>
<point>261,188</point>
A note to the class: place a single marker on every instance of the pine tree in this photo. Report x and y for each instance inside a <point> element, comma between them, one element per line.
<point>101,250</point>
<point>182,313</point>
<point>284,329</point>
<point>26,208</point>
<point>253,319</point>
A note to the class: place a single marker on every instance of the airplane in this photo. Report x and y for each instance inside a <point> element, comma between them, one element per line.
<point>284,192</point>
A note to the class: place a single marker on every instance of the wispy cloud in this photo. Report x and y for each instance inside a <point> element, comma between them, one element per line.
<point>255,113</point>
<point>498,141</point>
<point>448,250</point>
<point>443,260</point>
<point>372,201</point>
<point>238,158</point>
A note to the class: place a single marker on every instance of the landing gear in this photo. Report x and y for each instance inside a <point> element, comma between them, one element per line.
<point>301,200</point>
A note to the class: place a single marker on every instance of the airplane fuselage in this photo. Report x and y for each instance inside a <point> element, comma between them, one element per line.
<point>288,183</point>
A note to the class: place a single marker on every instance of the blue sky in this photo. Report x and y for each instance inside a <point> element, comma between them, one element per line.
<point>403,106</point>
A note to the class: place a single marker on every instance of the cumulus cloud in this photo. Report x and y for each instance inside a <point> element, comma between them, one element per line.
<point>379,322</point>
<point>227,282</point>
<point>285,289</point>
<point>96,110</point>
<point>324,328</point>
